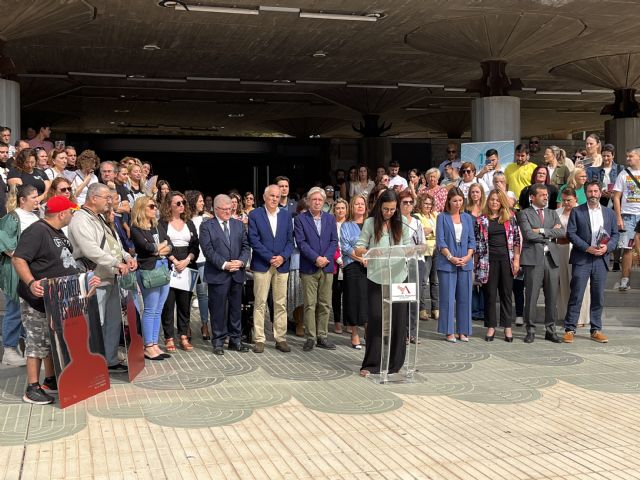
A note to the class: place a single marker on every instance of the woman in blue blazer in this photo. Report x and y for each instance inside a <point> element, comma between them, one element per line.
<point>455,240</point>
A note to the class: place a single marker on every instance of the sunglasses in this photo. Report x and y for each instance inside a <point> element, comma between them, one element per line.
<point>578,157</point>
<point>452,151</point>
<point>407,202</point>
<point>180,203</point>
<point>151,206</point>
<point>467,171</point>
<point>64,189</point>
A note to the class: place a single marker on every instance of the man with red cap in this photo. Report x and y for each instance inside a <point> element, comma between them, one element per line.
<point>43,251</point>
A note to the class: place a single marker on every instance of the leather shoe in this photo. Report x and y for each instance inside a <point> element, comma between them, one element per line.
<point>238,347</point>
<point>308,345</point>
<point>283,347</point>
<point>599,337</point>
<point>326,344</point>
<point>258,347</point>
<point>218,350</point>
<point>552,337</point>
<point>529,337</point>
<point>568,336</point>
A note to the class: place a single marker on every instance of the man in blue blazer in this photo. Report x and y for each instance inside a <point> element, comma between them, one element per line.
<point>589,259</point>
<point>224,243</point>
<point>271,238</point>
<point>317,236</point>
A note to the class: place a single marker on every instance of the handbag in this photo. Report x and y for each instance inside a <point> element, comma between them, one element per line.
<point>128,282</point>
<point>158,277</point>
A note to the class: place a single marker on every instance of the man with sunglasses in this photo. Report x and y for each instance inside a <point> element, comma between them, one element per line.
<point>94,243</point>
<point>451,159</point>
<point>536,153</point>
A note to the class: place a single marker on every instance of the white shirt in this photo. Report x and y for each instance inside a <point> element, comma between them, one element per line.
<point>179,238</point>
<point>465,186</point>
<point>597,222</point>
<point>457,228</point>
<point>398,180</point>
<point>26,218</point>
<point>273,220</point>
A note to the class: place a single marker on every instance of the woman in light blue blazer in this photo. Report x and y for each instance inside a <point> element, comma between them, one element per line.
<point>455,240</point>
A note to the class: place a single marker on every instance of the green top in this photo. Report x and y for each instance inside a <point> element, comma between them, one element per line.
<point>580,195</point>
<point>378,270</point>
<point>9,234</point>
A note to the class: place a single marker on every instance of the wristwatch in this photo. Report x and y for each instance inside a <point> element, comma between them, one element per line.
<point>449,257</point>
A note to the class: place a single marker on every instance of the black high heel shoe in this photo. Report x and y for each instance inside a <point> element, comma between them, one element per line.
<point>488,338</point>
<point>508,339</point>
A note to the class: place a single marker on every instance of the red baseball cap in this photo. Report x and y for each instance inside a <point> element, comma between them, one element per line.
<point>59,204</point>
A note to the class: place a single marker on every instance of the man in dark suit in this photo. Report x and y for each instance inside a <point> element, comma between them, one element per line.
<point>539,260</point>
<point>317,236</point>
<point>271,238</point>
<point>224,243</point>
<point>593,231</point>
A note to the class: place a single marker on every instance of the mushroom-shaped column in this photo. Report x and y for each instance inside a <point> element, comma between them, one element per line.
<point>28,18</point>
<point>620,73</point>
<point>495,40</point>
<point>374,147</point>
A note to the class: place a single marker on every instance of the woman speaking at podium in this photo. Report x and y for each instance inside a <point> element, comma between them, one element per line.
<point>384,228</point>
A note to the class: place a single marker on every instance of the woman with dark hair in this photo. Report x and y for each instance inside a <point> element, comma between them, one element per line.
<point>363,185</point>
<point>384,228</point>
<point>415,182</point>
<point>236,209</point>
<point>497,261</point>
<point>25,173</point>
<point>175,217</point>
<point>163,190</point>
<point>539,175</point>
<point>195,201</point>
<point>339,211</point>
<point>20,207</point>
<point>593,145</point>
<point>455,240</point>
<point>345,188</point>
<point>248,203</point>
<point>356,309</point>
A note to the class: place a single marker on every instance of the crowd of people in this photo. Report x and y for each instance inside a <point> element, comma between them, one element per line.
<point>491,236</point>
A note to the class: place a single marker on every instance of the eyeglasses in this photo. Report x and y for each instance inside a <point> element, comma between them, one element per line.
<point>106,197</point>
<point>386,179</point>
<point>228,209</point>
<point>151,206</point>
<point>180,203</point>
<point>407,202</point>
<point>64,189</point>
<point>578,157</point>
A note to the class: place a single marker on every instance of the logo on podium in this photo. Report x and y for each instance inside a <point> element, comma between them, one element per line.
<point>404,292</point>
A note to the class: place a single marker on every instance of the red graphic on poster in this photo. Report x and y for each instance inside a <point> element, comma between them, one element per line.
<point>135,350</point>
<point>86,373</point>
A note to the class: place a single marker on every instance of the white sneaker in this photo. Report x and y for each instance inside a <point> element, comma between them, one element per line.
<point>519,321</point>
<point>13,358</point>
<point>624,285</point>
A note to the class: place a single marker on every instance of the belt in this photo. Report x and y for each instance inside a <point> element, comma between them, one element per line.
<point>561,241</point>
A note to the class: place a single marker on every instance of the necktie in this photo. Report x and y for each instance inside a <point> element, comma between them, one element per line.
<point>226,231</point>
<point>541,215</point>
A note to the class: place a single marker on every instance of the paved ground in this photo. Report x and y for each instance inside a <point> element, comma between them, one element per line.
<point>477,411</point>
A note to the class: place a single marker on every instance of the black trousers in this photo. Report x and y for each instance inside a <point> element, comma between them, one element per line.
<point>181,301</point>
<point>500,281</point>
<point>371,361</point>
<point>336,298</point>
<point>356,303</point>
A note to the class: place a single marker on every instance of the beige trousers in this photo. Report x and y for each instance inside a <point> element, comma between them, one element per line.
<point>317,303</point>
<point>278,283</point>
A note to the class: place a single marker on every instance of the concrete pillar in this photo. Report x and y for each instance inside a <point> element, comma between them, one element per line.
<point>374,151</point>
<point>495,118</point>
<point>10,107</point>
<point>624,134</point>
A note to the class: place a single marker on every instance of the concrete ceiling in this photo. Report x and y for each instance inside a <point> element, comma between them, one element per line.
<point>276,73</point>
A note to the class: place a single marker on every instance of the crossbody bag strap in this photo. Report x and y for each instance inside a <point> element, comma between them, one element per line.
<point>632,177</point>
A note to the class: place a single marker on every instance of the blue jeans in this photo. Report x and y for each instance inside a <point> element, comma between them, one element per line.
<point>154,299</point>
<point>203,296</point>
<point>11,324</point>
<point>477,303</point>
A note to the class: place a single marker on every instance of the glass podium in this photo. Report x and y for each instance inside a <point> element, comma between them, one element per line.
<point>396,269</point>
